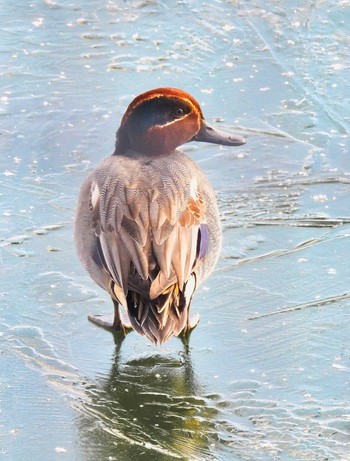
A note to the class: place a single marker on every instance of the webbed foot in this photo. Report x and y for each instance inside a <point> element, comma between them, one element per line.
<point>117,323</point>
<point>108,322</point>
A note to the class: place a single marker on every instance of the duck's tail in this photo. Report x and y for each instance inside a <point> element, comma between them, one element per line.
<point>163,317</point>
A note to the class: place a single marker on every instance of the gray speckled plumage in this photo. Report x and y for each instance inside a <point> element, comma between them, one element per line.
<point>128,230</point>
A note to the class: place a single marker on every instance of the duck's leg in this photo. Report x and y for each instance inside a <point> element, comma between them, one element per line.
<point>112,322</point>
<point>186,332</point>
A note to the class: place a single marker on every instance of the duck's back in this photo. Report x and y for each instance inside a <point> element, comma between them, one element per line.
<point>148,232</point>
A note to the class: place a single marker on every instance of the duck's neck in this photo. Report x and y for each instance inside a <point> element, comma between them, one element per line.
<point>154,143</point>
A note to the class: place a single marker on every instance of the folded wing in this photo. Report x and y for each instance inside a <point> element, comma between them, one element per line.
<point>148,227</point>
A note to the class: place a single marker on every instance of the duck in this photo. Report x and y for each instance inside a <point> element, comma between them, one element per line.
<point>147,225</point>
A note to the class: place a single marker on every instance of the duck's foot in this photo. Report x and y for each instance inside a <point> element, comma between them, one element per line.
<point>107,322</point>
<point>116,323</point>
<point>185,336</point>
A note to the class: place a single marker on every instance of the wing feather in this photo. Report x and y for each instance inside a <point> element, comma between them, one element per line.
<point>154,229</point>
<point>117,258</point>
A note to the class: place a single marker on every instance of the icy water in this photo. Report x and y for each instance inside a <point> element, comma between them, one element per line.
<point>268,373</point>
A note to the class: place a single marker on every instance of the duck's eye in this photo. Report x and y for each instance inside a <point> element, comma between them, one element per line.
<point>179,112</point>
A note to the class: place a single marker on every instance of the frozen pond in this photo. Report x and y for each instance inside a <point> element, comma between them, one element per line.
<point>268,374</point>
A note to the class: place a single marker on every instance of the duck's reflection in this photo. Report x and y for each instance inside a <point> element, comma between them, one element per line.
<point>147,408</point>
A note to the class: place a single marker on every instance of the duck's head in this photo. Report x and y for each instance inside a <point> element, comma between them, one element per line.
<point>158,121</point>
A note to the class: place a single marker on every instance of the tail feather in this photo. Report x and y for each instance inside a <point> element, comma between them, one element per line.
<point>161,318</point>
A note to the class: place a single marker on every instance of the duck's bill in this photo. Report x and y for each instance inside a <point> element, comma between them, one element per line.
<point>209,134</point>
